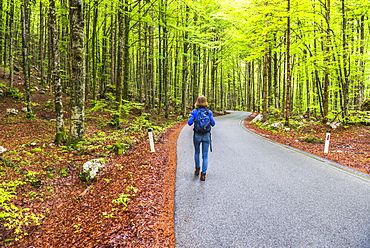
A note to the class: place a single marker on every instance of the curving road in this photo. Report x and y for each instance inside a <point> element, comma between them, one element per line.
<point>262,194</point>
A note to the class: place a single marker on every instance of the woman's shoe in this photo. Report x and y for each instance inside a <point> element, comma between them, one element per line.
<point>203,176</point>
<point>197,170</point>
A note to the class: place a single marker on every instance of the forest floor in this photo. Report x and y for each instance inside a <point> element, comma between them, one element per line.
<point>129,204</point>
<point>349,146</point>
<point>79,214</point>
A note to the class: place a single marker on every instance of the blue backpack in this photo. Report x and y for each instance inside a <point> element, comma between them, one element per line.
<point>202,122</point>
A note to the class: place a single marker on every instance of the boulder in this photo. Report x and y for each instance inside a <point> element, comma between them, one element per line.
<point>2,149</point>
<point>334,125</point>
<point>277,124</point>
<point>90,169</point>
<point>12,111</point>
<point>259,117</point>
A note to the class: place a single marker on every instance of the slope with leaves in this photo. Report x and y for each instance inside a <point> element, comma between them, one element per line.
<point>349,146</point>
<point>130,204</point>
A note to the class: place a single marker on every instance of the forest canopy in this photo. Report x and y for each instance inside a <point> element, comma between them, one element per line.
<point>285,58</point>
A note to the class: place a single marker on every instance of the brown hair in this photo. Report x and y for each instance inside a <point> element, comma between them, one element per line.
<point>201,102</point>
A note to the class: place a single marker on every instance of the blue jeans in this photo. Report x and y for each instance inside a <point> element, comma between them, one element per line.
<point>205,140</point>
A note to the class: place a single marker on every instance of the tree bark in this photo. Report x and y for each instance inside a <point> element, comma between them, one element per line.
<point>326,61</point>
<point>288,75</point>
<point>26,54</point>
<point>55,74</point>
<point>126,49</point>
<point>185,64</point>
<point>78,72</point>
<point>41,44</point>
<point>119,69</point>
<point>93,50</point>
<point>345,79</point>
<point>11,44</point>
<point>265,72</point>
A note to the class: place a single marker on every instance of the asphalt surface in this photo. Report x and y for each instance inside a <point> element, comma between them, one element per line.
<point>262,194</point>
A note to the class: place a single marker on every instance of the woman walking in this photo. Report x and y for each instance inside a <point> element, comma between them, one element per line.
<point>202,118</point>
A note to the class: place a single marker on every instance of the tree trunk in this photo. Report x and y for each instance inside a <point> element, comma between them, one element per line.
<point>94,39</point>
<point>327,61</point>
<point>78,72</point>
<point>265,74</point>
<point>119,69</point>
<point>345,78</point>
<point>11,44</point>
<point>165,55</point>
<point>2,35</point>
<point>126,50</point>
<point>55,74</point>
<point>41,44</point>
<point>26,54</point>
<point>361,63</point>
<point>288,76</point>
<point>185,64</point>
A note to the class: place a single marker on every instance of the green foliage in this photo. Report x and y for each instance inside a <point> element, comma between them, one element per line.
<point>123,198</point>
<point>35,150</point>
<point>15,93</point>
<point>121,147</point>
<point>14,217</point>
<point>31,176</point>
<point>63,172</point>
<point>357,117</point>
<point>98,106</point>
<point>30,115</point>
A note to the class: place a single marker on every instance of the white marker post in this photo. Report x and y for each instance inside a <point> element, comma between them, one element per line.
<point>327,141</point>
<point>151,141</point>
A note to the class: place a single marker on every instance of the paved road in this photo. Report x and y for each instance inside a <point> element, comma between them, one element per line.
<point>262,194</point>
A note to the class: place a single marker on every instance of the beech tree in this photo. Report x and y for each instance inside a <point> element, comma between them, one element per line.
<point>55,73</point>
<point>26,53</point>
<point>306,59</point>
<point>78,71</point>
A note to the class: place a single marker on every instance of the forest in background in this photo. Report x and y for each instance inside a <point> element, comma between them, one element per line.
<point>139,65</point>
<point>275,57</point>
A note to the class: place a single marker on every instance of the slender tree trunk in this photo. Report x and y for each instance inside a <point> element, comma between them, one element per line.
<point>327,61</point>
<point>55,77</point>
<point>288,75</point>
<point>140,59</point>
<point>151,74</point>
<point>11,44</point>
<point>41,44</point>
<point>113,48</point>
<point>265,73</point>
<point>276,82</point>
<point>78,72</point>
<point>361,63</point>
<point>94,45</point>
<point>126,50</point>
<point>205,71</point>
<point>2,35</point>
<point>119,69</point>
<point>25,54</point>
<point>165,65</point>
<point>104,68</point>
<point>345,79</point>
<point>185,64</point>
<point>88,55</point>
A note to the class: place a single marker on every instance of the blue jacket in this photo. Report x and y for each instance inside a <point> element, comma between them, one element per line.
<point>194,113</point>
